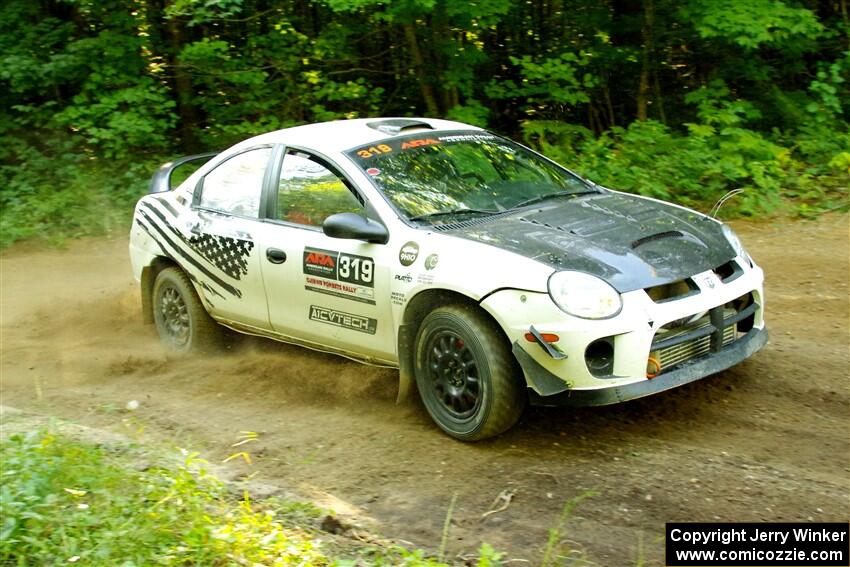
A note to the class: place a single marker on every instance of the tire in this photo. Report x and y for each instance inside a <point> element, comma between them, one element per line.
<point>181,320</point>
<point>467,377</point>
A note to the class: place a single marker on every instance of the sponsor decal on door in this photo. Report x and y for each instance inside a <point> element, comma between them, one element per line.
<point>339,274</point>
<point>345,320</point>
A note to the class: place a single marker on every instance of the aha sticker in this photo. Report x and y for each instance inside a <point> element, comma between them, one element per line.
<point>373,171</point>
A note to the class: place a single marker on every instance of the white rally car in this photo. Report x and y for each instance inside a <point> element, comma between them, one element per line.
<point>488,274</point>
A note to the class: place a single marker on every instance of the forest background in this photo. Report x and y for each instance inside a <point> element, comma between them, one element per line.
<point>677,99</point>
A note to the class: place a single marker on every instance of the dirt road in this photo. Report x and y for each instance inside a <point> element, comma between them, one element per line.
<point>767,440</point>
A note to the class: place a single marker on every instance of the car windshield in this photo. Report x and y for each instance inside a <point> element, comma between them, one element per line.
<point>439,176</point>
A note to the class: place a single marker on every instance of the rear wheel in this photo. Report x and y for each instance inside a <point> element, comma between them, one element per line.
<point>467,378</point>
<point>181,320</point>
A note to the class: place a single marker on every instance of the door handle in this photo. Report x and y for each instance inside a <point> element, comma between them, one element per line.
<point>276,256</point>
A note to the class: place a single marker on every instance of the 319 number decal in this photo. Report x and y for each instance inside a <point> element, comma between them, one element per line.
<point>356,269</point>
<point>333,265</point>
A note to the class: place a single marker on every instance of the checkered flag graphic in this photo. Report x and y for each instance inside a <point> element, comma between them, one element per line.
<point>227,254</point>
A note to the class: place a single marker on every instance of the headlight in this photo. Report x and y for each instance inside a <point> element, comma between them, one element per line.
<point>584,295</point>
<point>736,244</point>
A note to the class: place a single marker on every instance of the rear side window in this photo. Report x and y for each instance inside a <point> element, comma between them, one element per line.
<point>235,186</point>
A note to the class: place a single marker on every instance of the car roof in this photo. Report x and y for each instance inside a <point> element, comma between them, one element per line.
<point>342,135</point>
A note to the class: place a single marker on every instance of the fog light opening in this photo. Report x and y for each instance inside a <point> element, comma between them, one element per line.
<point>599,357</point>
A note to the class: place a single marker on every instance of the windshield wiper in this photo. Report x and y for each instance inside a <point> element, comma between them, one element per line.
<point>548,196</point>
<point>439,214</point>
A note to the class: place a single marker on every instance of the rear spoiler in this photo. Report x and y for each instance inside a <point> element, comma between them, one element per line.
<point>161,180</point>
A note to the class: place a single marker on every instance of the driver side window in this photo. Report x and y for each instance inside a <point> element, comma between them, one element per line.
<point>309,192</point>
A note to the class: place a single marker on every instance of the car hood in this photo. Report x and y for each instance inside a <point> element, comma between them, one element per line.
<point>630,242</point>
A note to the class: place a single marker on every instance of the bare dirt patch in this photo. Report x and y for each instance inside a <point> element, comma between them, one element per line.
<point>767,440</point>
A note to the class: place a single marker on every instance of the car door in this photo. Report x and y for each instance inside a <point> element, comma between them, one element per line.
<point>329,291</point>
<point>221,232</point>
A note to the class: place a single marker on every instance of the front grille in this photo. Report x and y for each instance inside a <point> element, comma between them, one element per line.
<point>691,338</point>
<point>689,349</point>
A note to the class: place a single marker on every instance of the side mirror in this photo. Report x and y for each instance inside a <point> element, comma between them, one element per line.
<point>353,226</point>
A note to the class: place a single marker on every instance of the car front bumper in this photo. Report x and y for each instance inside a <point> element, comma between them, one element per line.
<point>688,372</point>
<point>688,337</point>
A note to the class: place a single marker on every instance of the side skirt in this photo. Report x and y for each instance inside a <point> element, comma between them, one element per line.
<point>266,334</point>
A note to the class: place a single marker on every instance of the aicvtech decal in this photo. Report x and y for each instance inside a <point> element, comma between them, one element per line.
<point>345,320</point>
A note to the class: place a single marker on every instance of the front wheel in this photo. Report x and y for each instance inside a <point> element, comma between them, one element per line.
<point>181,320</point>
<point>466,376</point>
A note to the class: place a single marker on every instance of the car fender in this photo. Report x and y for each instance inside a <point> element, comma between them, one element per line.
<point>471,268</point>
<point>146,253</point>
<point>450,270</point>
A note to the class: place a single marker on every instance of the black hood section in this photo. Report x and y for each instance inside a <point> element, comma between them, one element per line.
<point>631,243</point>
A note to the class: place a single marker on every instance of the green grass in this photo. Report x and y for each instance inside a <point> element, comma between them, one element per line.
<point>558,551</point>
<point>64,502</point>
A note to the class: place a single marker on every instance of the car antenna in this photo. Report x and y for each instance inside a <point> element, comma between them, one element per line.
<point>716,208</point>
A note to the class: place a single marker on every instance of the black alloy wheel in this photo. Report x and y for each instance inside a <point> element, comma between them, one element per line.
<point>467,377</point>
<point>175,316</point>
<point>453,374</point>
<point>181,320</point>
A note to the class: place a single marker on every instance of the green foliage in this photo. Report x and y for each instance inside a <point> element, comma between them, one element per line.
<point>58,192</point>
<point>118,121</point>
<point>830,89</point>
<point>696,170</point>
<point>840,162</point>
<point>557,80</point>
<point>749,94</point>
<point>203,11</point>
<point>473,112</point>
<point>269,82</point>
<point>63,501</point>
<point>753,23</point>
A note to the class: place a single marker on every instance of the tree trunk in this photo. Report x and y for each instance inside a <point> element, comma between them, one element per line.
<point>611,120</point>
<point>419,69</point>
<point>659,99</point>
<point>165,43</point>
<point>187,113</point>
<point>646,36</point>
